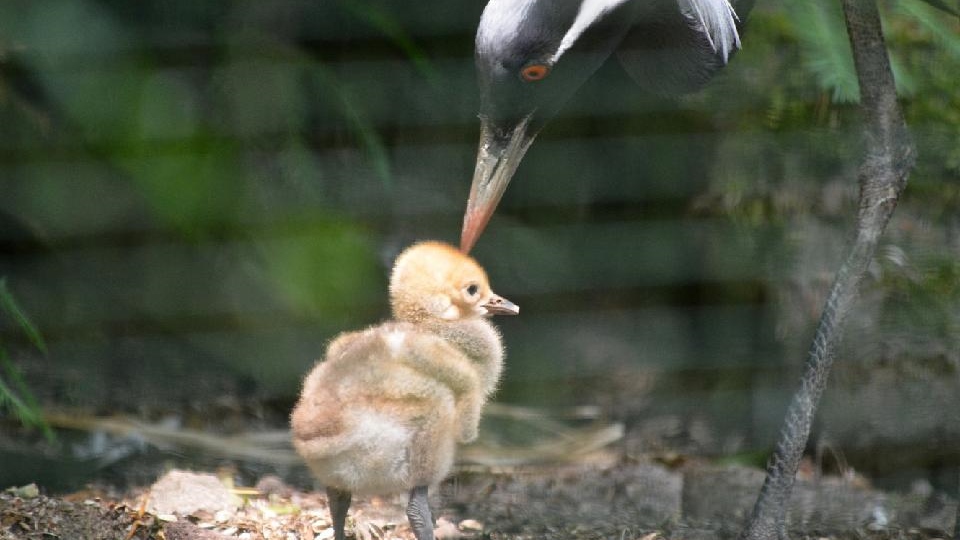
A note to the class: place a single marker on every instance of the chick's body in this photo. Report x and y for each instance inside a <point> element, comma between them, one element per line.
<point>384,410</point>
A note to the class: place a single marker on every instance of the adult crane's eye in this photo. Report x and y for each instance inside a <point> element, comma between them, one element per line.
<point>534,72</point>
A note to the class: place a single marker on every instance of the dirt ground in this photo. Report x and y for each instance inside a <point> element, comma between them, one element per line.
<point>625,500</point>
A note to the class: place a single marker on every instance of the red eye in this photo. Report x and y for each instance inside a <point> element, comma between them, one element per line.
<point>534,72</point>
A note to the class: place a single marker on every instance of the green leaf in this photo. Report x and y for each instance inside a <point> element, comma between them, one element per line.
<point>943,30</point>
<point>9,305</point>
<point>26,409</point>
<point>943,6</point>
<point>825,48</point>
<point>18,398</point>
<point>905,82</point>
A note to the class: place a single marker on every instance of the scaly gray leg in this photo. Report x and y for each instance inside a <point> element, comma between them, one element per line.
<point>339,502</point>
<point>883,174</point>
<point>418,512</point>
<point>956,524</point>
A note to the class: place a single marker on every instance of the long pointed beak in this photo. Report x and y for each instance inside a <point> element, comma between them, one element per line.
<point>498,305</point>
<point>497,159</point>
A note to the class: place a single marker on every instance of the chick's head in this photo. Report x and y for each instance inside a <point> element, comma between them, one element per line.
<point>435,281</point>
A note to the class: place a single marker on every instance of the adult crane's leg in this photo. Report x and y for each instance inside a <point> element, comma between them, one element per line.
<point>889,157</point>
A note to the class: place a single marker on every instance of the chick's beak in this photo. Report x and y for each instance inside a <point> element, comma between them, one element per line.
<point>498,156</point>
<point>498,305</point>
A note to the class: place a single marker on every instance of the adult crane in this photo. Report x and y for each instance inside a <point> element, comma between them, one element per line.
<point>531,57</point>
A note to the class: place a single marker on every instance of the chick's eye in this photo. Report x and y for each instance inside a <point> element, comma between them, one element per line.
<point>472,289</point>
<point>534,72</point>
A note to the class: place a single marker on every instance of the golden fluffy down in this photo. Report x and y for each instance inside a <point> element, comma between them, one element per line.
<point>385,408</point>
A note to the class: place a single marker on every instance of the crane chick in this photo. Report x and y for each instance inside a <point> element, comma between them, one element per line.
<point>384,410</point>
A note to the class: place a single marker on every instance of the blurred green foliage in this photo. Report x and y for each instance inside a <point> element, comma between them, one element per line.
<point>15,396</point>
<point>325,267</point>
<point>197,196</point>
<point>923,294</point>
<point>795,76</point>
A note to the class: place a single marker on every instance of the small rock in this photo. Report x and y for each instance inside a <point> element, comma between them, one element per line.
<point>446,529</point>
<point>29,491</point>
<point>185,493</point>
<point>470,525</point>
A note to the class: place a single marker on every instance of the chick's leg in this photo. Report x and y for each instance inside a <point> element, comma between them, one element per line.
<point>339,502</point>
<point>418,512</point>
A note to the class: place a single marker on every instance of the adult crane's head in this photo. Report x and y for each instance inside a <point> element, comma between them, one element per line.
<point>532,55</point>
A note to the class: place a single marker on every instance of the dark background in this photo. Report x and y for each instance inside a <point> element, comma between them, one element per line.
<point>195,197</point>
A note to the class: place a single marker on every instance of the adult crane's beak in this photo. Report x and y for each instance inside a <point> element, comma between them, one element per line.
<point>498,156</point>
